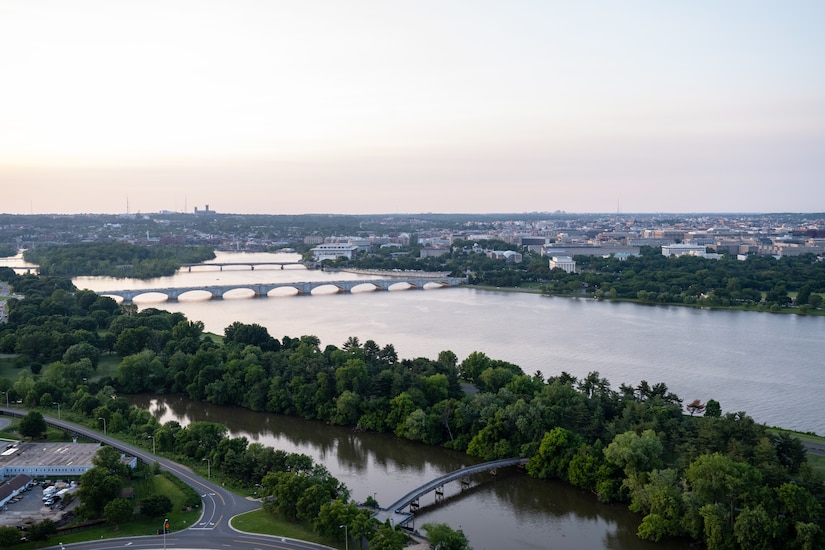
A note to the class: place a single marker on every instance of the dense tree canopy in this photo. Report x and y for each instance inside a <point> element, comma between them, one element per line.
<point>717,477</point>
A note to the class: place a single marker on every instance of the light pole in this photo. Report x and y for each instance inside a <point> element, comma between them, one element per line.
<point>58,409</point>
<point>104,424</point>
<point>346,536</point>
<point>165,528</point>
<point>153,444</point>
<point>7,398</point>
<point>208,469</point>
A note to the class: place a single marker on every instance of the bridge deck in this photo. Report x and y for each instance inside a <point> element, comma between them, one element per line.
<point>398,517</point>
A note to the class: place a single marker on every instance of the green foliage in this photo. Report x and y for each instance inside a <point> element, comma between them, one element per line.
<point>9,536</point>
<point>33,424</point>
<point>118,511</point>
<point>557,449</point>
<point>114,259</point>
<point>155,506</point>
<point>442,536</point>
<point>42,530</point>
<point>718,465</point>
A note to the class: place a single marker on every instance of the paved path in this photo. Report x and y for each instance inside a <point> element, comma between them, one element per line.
<point>211,532</point>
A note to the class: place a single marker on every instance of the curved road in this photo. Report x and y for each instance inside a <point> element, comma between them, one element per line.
<point>212,531</point>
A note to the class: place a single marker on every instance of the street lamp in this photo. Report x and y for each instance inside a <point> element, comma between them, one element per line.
<point>58,409</point>
<point>104,424</point>
<point>153,443</point>
<point>208,469</point>
<point>7,398</point>
<point>165,528</point>
<point>346,536</point>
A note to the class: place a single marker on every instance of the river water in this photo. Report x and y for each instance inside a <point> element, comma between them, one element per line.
<point>767,365</point>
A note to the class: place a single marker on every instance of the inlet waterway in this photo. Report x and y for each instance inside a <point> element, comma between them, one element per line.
<point>508,511</point>
<point>768,365</point>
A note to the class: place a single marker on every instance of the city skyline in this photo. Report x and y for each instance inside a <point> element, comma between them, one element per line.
<point>368,107</point>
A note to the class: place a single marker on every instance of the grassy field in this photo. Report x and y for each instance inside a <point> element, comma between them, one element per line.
<point>260,521</point>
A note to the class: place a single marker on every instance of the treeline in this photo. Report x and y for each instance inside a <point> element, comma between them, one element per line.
<point>115,259</point>
<point>688,470</point>
<point>758,281</point>
<point>651,277</point>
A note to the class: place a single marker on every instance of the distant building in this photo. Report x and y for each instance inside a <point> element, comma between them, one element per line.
<point>683,249</point>
<point>587,249</point>
<point>563,262</point>
<point>204,211</point>
<point>508,256</point>
<point>432,252</point>
<point>333,251</point>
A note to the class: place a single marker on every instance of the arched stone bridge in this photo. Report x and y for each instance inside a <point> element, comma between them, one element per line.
<point>263,289</point>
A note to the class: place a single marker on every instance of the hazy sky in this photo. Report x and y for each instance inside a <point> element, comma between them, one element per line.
<point>350,106</point>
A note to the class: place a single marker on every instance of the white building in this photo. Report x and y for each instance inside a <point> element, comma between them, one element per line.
<point>563,262</point>
<point>683,249</point>
<point>50,460</point>
<point>333,251</point>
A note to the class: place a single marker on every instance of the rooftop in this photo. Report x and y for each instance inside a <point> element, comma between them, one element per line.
<point>49,454</point>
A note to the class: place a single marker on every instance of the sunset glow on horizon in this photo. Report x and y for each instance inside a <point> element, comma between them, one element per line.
<point>375,107</point>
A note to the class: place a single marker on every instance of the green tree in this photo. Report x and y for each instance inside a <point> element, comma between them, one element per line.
<point>155,506</point>
<point>634,453</point>
<point>118,511</point>
<point>558,446</point>
<point>387,537</point>
<point>443,537</point>
<point>33,425</point>
<point>97,488</point>
<point>42,530</point>
<point>9,536</point>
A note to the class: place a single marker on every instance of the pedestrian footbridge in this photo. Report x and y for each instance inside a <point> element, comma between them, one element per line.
<point>395,512</point>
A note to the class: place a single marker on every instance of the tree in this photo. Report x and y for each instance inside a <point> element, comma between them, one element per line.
<point>155,506</point>
<point>97,488</point>
<point>9,536</point>
<point>695,406</point>
<point>713,408</point>
<point>118,511</point>
<point>634,453</point>
<point>443,537</point>
<point>42,530</point>
<point>557,448</point>
<point>33,425</point>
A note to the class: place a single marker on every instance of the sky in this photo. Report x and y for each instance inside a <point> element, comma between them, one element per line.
<point>368,107</point>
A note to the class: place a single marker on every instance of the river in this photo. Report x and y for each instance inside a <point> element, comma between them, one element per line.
<point>767,365</point>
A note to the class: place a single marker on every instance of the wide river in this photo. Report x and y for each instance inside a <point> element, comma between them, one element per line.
<point>767,365</point>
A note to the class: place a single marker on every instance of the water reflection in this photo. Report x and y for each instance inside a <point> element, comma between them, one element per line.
<point>509,510</point>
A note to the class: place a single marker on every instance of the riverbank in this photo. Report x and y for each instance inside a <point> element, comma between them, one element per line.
<point>758,309</point>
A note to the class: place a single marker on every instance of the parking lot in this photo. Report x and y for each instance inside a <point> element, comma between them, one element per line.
<point>29,509</point>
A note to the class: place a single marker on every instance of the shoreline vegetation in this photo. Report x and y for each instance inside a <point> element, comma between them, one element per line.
<point>686,467</point>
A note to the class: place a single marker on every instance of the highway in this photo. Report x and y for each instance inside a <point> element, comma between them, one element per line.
<point>211,532</point>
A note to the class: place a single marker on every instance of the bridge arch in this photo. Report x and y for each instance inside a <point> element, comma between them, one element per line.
<point>395,511</point>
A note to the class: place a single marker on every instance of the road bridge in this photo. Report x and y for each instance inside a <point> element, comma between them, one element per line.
<point>217,292</point>
<point>397,516</point>
<point>250,265</point>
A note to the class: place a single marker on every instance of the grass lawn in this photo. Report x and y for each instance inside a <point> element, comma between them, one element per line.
<point>260,521</point>
<point>178,519</point>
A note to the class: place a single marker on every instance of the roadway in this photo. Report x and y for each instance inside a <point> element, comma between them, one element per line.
<point>212,530</point>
